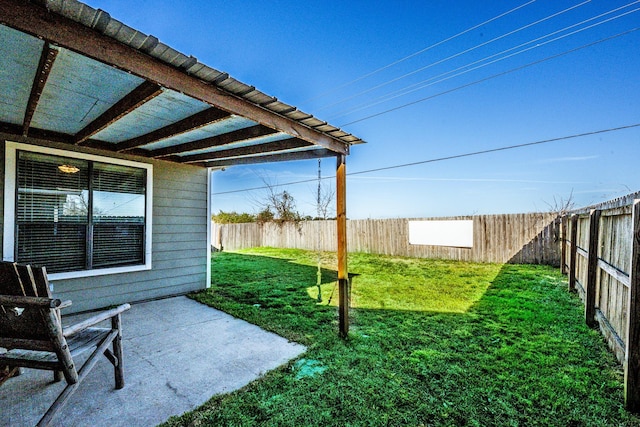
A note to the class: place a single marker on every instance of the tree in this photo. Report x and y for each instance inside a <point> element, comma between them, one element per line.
<point>265,215</point>
<point>325,202</point>
<point>232,217</point>
<point>278,206</point>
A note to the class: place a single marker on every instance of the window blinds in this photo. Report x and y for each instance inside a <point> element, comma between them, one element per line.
<point>74,214</point>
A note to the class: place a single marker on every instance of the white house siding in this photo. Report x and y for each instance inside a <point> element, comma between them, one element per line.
<point>179,250</point>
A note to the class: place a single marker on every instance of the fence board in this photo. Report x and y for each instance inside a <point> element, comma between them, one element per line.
<point>632,367</point>
<point>518,238</point>
<point>604,266</point>
<point>592,288</point>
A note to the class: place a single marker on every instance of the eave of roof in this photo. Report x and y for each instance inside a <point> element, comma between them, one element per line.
<point>150,99</point>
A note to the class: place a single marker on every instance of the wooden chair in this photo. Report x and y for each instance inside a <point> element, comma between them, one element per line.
<point>32,333</point>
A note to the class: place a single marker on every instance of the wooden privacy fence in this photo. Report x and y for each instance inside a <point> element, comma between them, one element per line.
<point>600,255</point>
<point>514,238</point>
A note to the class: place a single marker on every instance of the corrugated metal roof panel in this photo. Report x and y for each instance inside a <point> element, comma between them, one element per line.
<point>298,115</point>
<point>288,150</point>
<point>166,108</point>
<point>326,128</point>
<point>20,55</point>
<point>351,139</point>
<point>202,72</point>
<point>338,133</point>
<point>244,90</point>
<point>84,14</point>
<point>244,143</point>
<point>172,56</point>
<point>120,32</point>
<point>205,73</point>
<point>258,97</point>
<point>312,122</point>
<point>228,125</point>
<point>79,90</point>
<point>149,44</point>
<point>232,85</point>
<point>280,107</point>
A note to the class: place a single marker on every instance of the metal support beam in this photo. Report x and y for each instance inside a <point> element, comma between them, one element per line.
<point>341,218</point>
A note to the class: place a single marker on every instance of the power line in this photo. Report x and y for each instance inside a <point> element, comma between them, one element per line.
<point>490,77</point>
<point>342,86</point>
<point>485,61</point>
<point>441,61</point>
<point>455,156</point>
<point>493,150</point>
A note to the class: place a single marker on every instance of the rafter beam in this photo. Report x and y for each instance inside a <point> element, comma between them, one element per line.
<point>134,99</point>
<point>285,157</point>
<point>271,147</point>
<point>196,121</point>
<point>47,58</point>
<point>215,141</point>
<point>36,20</point>
<point>35,133</point>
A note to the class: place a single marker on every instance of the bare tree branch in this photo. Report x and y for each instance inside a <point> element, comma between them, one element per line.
<point>561,206</point>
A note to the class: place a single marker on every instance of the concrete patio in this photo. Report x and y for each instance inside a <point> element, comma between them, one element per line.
<point>178,354</point>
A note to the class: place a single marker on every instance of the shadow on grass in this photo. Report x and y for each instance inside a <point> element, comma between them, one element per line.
<point>519,354</point>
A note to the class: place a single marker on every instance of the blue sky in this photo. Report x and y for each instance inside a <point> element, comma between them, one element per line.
<point>307,53</point>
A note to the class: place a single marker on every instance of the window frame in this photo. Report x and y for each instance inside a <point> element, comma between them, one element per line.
<point>10,186</point>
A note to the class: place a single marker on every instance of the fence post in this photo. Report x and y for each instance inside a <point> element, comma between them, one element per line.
<point>592,269</point>
<point>563,243</point>
<point>574,253</point>
<point>632,354</point>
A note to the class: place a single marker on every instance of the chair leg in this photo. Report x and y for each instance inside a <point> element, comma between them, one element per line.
<point>117,352</point>
<point>58,404</point>
<point>57,376</point>
<point>71,388</point>
<point>8,372</point>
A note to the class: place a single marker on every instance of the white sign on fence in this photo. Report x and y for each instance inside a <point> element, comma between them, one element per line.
<point>453,233</point>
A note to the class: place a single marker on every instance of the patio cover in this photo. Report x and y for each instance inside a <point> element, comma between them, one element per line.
<point>72,74</point>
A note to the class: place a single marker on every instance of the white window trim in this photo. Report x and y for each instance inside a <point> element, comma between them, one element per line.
<point>8,246</point>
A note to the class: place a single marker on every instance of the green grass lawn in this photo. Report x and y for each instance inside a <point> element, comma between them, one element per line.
<point>432,343</point>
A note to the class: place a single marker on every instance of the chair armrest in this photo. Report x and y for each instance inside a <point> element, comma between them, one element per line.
<point>100,317</point>
<point>32,301</point>
<point>65,304</point>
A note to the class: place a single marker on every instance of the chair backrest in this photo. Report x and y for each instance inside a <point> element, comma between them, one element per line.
<point>31,321</point>
<point>26,280</point>
<point>21,321</point>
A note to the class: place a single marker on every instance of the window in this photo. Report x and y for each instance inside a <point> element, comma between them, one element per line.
<point>80,213</point>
